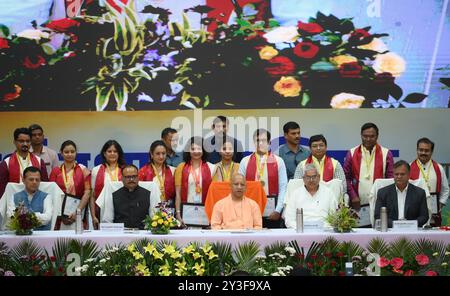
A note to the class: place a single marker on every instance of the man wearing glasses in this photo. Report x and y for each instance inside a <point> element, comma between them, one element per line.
<point>329,168</point>
<point>315,200</point>
<point>132,203</point>
<point>12,167</point>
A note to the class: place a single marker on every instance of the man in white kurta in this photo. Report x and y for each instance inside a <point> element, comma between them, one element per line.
<point>316,200</point>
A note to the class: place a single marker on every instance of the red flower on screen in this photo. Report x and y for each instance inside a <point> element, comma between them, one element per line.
<point>4,43</point>
<point>350,70</point>
<point>33,62</point>
<point>306,50</point>
<point>281,66</point>
<point>62,25</point>
<point>309,28</point>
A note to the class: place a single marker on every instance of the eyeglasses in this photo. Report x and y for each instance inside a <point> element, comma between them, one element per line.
<point>130,177</point>
<point>310,178</point>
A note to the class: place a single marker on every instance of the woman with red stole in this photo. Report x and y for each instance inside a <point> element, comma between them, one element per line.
<point>159,172</point>
<point>108,171</point>
<point>73,179</point>
<point>226,167</point>
<point>193,176</point>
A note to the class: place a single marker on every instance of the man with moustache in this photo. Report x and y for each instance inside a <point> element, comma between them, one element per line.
<point>132,203</point>
<point>424,167</point>
<point>12,167</point>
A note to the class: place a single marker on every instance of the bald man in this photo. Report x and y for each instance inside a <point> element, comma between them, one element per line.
<point>236,211</point>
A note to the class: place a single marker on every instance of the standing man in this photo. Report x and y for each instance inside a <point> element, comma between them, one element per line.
<point>12,167</point>
<point>364,164</point>
<point>270,170</point>
<point>213,144</point>
<point>170,138</point>
<point>433,174</point>
<point>49,156</point>
<point>403,200</point>
<point>292,152</point>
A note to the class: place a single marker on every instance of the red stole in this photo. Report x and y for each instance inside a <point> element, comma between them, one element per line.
<point>415,174</point>
<point>100,180</point>
<point>146,174</point>
<point>14,167</point>
<point>328,170</point>
<point>206,181</point>
<point>78,179</point>
<point>272,172</point>
<point>378,165</point>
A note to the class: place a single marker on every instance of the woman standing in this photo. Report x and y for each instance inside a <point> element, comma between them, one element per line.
<point>158,171</point>
<point>108,171</point>
<point>193,176</point>
<point>226,167</point>
<point>73,179</point>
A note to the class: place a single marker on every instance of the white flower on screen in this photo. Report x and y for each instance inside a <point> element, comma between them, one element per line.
<point>33,34</point>
<point>282,34</point>
<point>389,62</point>
<point>346,101</point>
<point>376,45</point>
<point>166,98</point>
<point>175,87</point>
<point>142,97</point>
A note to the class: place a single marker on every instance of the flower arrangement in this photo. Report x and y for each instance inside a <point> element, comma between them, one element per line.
<point>23,221</point>
<point>161,221</point>
<point>343,219</point>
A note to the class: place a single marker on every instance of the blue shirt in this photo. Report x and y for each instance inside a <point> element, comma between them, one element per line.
<point>174,160</point>
<point>292,159</point>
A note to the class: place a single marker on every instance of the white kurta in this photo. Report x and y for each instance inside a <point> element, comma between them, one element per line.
<point>432,181</point>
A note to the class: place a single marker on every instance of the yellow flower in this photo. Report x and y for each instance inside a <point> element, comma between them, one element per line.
<point>170,219</point>
<point>197,255</point>
<point>154,224</point>
<point>175,255</point>
<point>179,272</point>
<point>157,255</point>
<point>435,254</point>
<point>267,53</point>
<point>189,249</point>
<point>137,255</point>
<point>342,59</point>
<point>206,248</point>
<point>199,270</point>
<point>166,223</point>
<point>346,101</point>
<point>288,86</point>
<point>165,270</point>
<point>149,248</point>
<point>142,268</point>
<point>389,62</point>
<point>181,265</point>
<point>168,249</point>
<point>164,214</point>
<point>212,255</point>
<point>376,45</point>
<point>160,221</point>
<point>444,264</point>
<point>131,248</point>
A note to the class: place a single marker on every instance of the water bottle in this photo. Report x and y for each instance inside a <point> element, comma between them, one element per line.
<point>78,223</point>
<point>384,219</point>
<point>299,218</point>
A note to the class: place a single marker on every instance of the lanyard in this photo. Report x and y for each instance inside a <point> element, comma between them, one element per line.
<point>161,180</point>
<point>426,176</point>
<point>260,166</point>
<point>196,177</point>
<point>226,174</point>
<point>115,175</point>
<point>20,164</point>
<point>65,177</point>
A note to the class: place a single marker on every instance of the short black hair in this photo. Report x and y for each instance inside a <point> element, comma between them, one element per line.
<point>220,118</point>
<point>261,131</point>
<point>402,163</point>
<point>369,125</point>
<point>109,143</point>
<point>129,166</point>
<point>426,141</point>
<point>31,169</point>
<point>166,131</point>
<point>317,138</point>
<point>34,127</point>
<point>290,125</point>
<point>21,130</point>
<point>187,154</point>
<point>68,143</point>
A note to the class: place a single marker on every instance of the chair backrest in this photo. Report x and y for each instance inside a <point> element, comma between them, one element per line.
<point>380,183</point>
<point>12,188</point>
<point>105,202</point>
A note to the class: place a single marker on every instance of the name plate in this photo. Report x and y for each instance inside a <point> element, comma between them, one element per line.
<point>112,227</point>
<point>312,225</point>
<point>404,225</point>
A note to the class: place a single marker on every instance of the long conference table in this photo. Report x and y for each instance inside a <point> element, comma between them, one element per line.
<point>47,239</point>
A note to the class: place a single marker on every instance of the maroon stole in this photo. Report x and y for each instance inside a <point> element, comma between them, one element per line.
<point>78,176</point>
<point>14,167</point>
<point>100,180</point>
<point>146,174</point>
<point>328,170</point>
<point>378,166</point>
<point>415,174</point>
<point>272,172</point>
<point>206,181</point>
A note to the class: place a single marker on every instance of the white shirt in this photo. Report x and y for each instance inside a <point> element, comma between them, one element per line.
<point>44,217</point>
<point>401,198</point>
<point>432,180</point>
<point>315,207</point>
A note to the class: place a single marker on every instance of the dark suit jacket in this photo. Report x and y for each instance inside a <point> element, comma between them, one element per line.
<point>415,204</point>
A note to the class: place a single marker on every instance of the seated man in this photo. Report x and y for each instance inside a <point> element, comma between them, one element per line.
<point>403,200</point>
<point>131,202</point>
<point>35,200</point>
<point>315,199</point>
<point>236,211</point>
